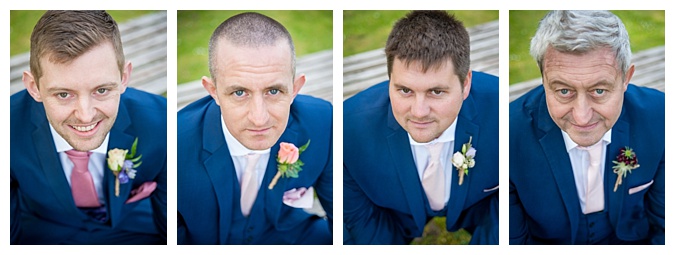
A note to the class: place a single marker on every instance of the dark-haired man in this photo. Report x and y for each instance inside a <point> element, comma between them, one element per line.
<point>424,143</point>
<point>66,186</point>
<point>232,143</point>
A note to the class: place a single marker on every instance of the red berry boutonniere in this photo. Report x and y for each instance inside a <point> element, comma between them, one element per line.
<point>625,162</point>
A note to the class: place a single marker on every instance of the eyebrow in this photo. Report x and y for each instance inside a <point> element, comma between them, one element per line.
<point>552,84</point>
<point>233,88</point>
<point>55,89</point>
<point>439,87</point>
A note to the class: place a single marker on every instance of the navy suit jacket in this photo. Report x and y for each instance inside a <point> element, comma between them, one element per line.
<point>543,201</point>
<point>42,207</point>
<point>206,170</point>
<point>384,202</point>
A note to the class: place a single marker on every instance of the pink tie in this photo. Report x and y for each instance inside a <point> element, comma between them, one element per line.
<point>433,179</point>
<point>595,197</point>
<point>249,184</point>
<point>81,184</point>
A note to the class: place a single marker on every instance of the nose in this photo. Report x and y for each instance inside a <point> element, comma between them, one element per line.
<point>258,111</point>
<point>85,111</point>
<point>582,111</point>
<point>420,107</point>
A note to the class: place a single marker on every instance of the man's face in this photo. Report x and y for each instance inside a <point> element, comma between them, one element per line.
<point>255,89</point>
<point>81,97</point>
<point>426,103</point>
<point>584,92</point>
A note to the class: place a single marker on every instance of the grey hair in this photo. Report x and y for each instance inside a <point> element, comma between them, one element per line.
<point>249,29</point>
<point>580,32</point>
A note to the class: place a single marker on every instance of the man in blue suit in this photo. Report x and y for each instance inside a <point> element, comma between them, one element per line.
<point>424,143</point>
<point>233,187</point>
<point>587,148</point>
<point>75,109</point>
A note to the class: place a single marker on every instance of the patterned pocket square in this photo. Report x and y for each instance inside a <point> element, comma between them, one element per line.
<point>142,192</point>
<point>299,198</point>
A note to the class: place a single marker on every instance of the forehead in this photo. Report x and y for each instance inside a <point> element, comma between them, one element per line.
<point>230,54</point>
<point>97,65</point>
<point>413,72</point>
<point>595,64</point>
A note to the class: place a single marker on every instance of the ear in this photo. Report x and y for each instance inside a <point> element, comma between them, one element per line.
<point>298,83</point>
<point>126,75</point>
<point>467,85</point>
<point>31,86</point>
<point>629,75</point>
<point>211,88</point>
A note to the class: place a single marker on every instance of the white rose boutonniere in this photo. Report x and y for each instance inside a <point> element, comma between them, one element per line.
<point>463,160</point>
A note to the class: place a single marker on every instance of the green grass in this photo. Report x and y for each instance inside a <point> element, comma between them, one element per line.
<point>646,29</point>
<point>22,23</point>
<point>312,31</point>
<point>435,233</point>
<point>368,30</point>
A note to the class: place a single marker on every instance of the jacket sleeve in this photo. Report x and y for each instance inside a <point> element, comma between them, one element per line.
<point>365,222</point>
<point>158,201</point>
<point>656,206</point>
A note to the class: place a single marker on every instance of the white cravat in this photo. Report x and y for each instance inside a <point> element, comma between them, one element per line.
<point>580,160</point>
<point>249,184</point>
<point>433,180</point>
<point>421,157</point>
<point>595,200</point>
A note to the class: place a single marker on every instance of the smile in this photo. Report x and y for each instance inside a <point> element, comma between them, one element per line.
<point>86,128</point>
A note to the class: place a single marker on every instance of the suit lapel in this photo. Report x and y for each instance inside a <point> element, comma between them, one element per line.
<point>50,162</point>
<point>120,138</point>
<point>620,139</point>
<point>401,154</point>
<point>274,197</point>
<point>219,167</point>
<point>553,145</point>
<point>465,128</point>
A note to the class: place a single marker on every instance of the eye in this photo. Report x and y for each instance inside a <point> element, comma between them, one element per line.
<point>405,90</point>
<point>63,95</point>
<point>102,90</point>
<point>599,91</point>
<point>436,92</point>
<point>238,93</point>
<point>274,91</point>
<point>564,91</point>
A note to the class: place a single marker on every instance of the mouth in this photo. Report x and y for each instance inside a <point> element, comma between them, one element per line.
<point>259,131</point>
<point>421,124</point>
<point>585,127</point>
<point>85,130</point>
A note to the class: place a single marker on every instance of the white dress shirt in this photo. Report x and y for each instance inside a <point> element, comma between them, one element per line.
<point>96,165</point>
<point>421,155</point>
<point>579,160</point>
<point>238,153</point>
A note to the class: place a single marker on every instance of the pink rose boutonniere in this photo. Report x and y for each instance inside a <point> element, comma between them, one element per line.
<point>123,165</point>
<point>625,162</point>
<point>464,160</point>
<point>288,162</point>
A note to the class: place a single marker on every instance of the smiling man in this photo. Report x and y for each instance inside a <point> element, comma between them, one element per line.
<point>400,137</point>
<point>575,177</point>
<point>231,144</point>
<point>77,107</point>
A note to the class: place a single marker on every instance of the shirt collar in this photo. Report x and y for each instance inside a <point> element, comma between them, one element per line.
<point>569,144</point>
<point>447,136</point>
<point>62,145</point>
<point>234,146</point>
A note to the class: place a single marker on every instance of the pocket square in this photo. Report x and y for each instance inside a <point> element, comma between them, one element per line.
<point>299,198</point>
<point>637,189</point>
<point>491,189</point>
<point>142,192</point>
